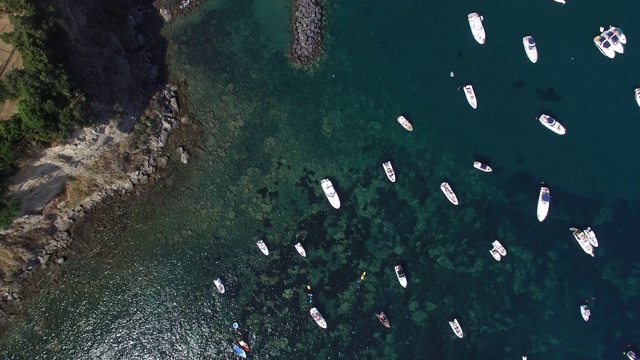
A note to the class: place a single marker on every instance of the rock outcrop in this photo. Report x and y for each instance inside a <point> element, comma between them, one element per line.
<point>308,25</point>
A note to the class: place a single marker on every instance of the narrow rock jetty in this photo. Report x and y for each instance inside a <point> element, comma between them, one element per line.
<point>307,31</point>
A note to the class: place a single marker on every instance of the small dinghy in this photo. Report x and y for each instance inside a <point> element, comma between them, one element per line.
<point>543,203</point>
<point>405,123</point>
<point>243,344</point>
<point>448,192</point>
<point>330,192</point>
<point>482,167</point>
<point>455,326</point>
<point>315,314</point>
<point>388,169</point>
<point>383,319</point>
<point>586,313</point>
<point>495,254</point>
<point>637,95</point>
<point>591,236</point>
<point>582,239</point>
<point>477,29</point>
<point>219,285</point>
<point>471,96</point>
<point>530,48</point>
<point>263,247</point>
<point>496,245</point>
<point>239,351</point>
<point>300,250</point>
<point>401,277</point>
<point>551,124</point>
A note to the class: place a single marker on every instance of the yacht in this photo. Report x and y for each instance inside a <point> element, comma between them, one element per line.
<point>263,247</point>
<point>455,326</point>
<point>613,38</point>
<point>471,96</point>
<point>581,238</point>
<point>388,169</point>
<point>543,203</point>
<point>591,236</point>
<point>448,192</point>
<point>551,124</point>
<point>604,46</point>
<point>300,250</point>
<point>530,48</point>
<point>330,192</point>
<point>637,92</point>
<point>383,319</point>
<point>475,23</point>
<point>315,314</point>
<point>482,167</point>
<point>496,245</point>
<point>586,313</point>
<point>219,285</point>
<point>495,254</point>
<point>405,123</point>
<point>401,277</point>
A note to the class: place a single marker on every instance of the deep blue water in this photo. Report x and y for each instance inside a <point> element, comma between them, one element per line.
<point>271,133</point>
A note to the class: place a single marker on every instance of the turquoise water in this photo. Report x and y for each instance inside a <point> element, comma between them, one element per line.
<point>271,133</point>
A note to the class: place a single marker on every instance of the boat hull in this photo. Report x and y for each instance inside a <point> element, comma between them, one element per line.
<point>498,246</point>
<point>405,123</point>
<point>495,254</point>
<point>591,236</point>
<point>455,326</point>
<point>552,124</point>
<point>263,247</point>
<point>585,312</point>
<point>477,29</point>
<point>315,314</point>
<point>239,351</point>
<point>300,250</point>
<point>330,193</point>
<point>530,48</point>
<point>219,285</point>
<point>482,167</point>
<point>448,192</point>
<point>604,46</point>
<point>388,169</point>
<point>637,96</point>
<point>583,241</point>
<point>402,278</point>
<point>544,199</point>
<point>470,94</point>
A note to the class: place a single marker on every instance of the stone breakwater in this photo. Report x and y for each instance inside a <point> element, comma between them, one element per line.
<point>308,24</point>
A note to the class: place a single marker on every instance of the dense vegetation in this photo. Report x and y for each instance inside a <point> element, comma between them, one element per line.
<point>48,104</point>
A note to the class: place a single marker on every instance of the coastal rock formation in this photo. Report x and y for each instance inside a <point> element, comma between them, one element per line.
<point>308,23</point>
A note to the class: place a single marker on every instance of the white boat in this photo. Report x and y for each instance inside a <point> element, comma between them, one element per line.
<point>614,39</point>
<point>581,238</point>
<point>637,94</point>
<point>300,250</point>
<point>591,236</point>
<point>482,167</point>
<point>475,23</point>
<point>631,355</point>
<point>330,192</point>
<point>496,245</point>
<point>560,1</point>
<point>543,203</point>
<point>530,48</point>
<point>315,314</point>
<point>448,192</point>
<point>455,326</point>
<point>388,169</point>
<point>401,277</point>
<point>405,123</point>
<point>604,46</point>
<point>586,313</point>
<point>263,247</point>
<point>219,285</point>
<point>620,34</point>
<point>471,96</point>
<point>551,124</point>
<point>495,254</point>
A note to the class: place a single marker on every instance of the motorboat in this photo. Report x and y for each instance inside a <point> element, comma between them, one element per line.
<point>471,96</point>
<point>591,236</point>
<point>482,167</point>
<point>455,326</point>
<point>495,254</point>
<point>586,313</point>
<point>219,285</point>
<point>405,123</point>
<point>582,239</point>
<point>383,319</point>
<point>239,351</point>
<point>330,192</point>
<point>315,314</point>
<point>605,47</point>
<point>401,277</point>
<point>613,38</point>
<point>263,247</point>
<point>496,245</point>
<point>300,250</point>
<point>243,344</point>
<point>631,355</point>
<point>475,23</point>
<point>551,124</point>
<point>637,94</point>
<point>388,169</point>
<point>530,48</point>
<point>543,203</point>
<point>620,34</point>
<point>560,1</point>
<point>448,192</point>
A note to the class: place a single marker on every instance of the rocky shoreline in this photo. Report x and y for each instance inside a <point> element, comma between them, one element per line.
<point>307,26</point>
